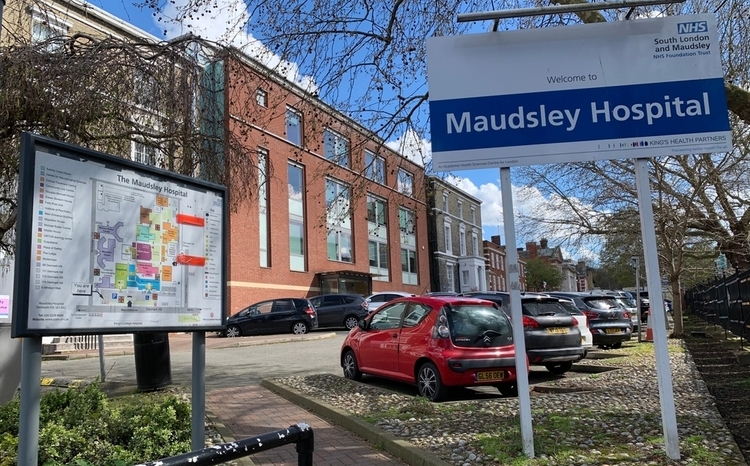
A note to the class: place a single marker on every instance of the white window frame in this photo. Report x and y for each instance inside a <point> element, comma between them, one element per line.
<point>374,167</point>
<point>448,239</point>
<point>261,97</point>
<point>405,182</point>
<point>336,141</point>
<point>52,24</point>
<point>300,134</point>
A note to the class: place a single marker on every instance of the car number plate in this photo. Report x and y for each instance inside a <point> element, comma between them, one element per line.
<point>485,376</point>
<point>557,330</point>
<point>612,330</point>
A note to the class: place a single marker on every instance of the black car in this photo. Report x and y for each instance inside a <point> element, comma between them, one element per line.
<point>609,322</point>
<point>550,332</point>
<point>282,315</point>
<point>337,310</point>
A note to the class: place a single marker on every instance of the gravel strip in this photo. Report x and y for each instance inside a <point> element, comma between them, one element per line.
<point>618,407</point>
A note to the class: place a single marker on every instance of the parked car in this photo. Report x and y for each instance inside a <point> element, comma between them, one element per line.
<point>632,308</point>
<point>375,300</point>
<point>434,343</point>
<point>440,293</point>
<point>587,338</point>
<point>609,323</point>
<point>281,315</point>
<point>551,333</point>
<point>337,310</point>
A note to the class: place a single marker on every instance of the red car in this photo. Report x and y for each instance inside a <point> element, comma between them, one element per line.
<point>434,342</point>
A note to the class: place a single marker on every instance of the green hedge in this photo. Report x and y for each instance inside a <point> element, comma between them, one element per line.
<point>82,427</point>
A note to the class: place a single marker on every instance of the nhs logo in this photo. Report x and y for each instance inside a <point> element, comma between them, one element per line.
<point>692,28</point>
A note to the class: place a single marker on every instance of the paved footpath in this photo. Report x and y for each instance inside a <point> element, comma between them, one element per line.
<point>244,411</point>
<point>252,410</point>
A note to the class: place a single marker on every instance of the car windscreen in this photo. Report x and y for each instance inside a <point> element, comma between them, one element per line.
<point>602,303</point>
<point>470,324</point>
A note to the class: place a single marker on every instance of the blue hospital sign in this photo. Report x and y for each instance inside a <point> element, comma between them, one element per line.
<point>639,88</point>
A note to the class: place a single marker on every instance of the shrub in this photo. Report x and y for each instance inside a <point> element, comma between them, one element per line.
<point>80,426</point>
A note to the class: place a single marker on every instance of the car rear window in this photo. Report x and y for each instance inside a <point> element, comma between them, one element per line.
<point>469,324</point>
<point>603,303</point>
<point>542,308</point>
<point>571,308</point>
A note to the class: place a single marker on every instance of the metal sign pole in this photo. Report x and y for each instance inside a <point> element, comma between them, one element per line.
<point>522,365</point>
<point>659,324</point>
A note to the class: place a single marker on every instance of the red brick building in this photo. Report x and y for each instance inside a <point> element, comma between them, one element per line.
<point>496,265</point>
<point>332,209</point>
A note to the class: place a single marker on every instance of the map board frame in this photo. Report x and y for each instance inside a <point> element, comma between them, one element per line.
<point>612,90</point>
<point>79,271</point>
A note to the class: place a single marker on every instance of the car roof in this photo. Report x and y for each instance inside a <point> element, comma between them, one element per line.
<point>442,300</point>
<point>338,294</point>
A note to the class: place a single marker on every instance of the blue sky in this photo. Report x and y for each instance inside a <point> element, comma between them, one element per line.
<point>483,184</point>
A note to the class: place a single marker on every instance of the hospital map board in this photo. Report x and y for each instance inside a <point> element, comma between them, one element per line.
<point>106,245</point>
<point>620,89</point>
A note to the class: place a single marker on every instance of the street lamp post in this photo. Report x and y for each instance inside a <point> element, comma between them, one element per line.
<point>635,262</point>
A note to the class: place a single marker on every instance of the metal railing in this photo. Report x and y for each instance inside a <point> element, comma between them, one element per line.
<point>724,302</point>
<point>300,434</point>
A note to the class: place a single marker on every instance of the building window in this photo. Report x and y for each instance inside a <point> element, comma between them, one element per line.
<point>46,28</point>
<point>473,215</point>
<point>448,239</point>
<point>376,213</point>
<point>465,278</point>
<point>374,167</point>
<point>405,182</point>
<point>449,276</point>
<point>336,148</point>
<point>405,222</point>
<point>338,221</point>
<point>265,258</point>
<point>502,262</point>
<point>460,210</point>
<point>293,126</point>
<point>408,246</point>
<point>145,154</point>
<point>378,251</point>
<point>462,242</point>
<point>474,244</point>
<point>377,228</point>
<point>296,187</point>
<point>409,266</point>
<point>445,202</point>
<point>146,89</point>
<point>261,98</point>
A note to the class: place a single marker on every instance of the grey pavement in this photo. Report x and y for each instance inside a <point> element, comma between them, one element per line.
<point>236,403</point>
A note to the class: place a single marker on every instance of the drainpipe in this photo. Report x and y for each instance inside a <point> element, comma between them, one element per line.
<point>2,4</point>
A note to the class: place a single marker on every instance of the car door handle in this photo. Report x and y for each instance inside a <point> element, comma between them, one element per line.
<point>395,335</point>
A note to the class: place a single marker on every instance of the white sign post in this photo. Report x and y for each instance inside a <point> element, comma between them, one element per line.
<point>628,89</point>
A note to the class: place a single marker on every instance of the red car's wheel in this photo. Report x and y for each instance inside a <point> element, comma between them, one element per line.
<point>351,368</point>
<point>429,383</point>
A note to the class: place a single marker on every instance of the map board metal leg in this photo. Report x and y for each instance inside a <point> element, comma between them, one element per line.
<point>198,437</point>
<point>28,425</point>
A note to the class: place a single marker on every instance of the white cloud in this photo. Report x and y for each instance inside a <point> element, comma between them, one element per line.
<point>526,200</point>
<point>225,22</point>
<point>414,148</point>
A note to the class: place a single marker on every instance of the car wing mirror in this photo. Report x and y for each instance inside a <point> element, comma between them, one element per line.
<point>362,324</point>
